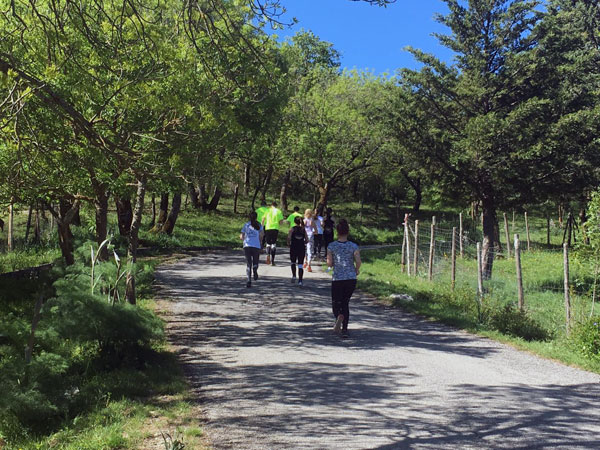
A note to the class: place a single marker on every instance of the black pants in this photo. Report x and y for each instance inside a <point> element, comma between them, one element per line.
<point>327,239</point>
<point>341,291</point>
<point>318,244</point>
<point>297,255</point>
<point>252,254</point>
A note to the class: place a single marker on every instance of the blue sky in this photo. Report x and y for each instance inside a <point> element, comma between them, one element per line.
<point>371,37</point>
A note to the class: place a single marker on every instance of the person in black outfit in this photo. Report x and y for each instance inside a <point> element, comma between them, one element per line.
<point>328,227</point>
<point>296,240</point>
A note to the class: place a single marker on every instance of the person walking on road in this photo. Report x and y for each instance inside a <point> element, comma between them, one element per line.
<point>318,219</point>
<point>251,235</point>
<point>296,240</point>
<point>291,218</point>
<point>328,227</point>
<point>309,226</point>
<point>344,256</point>
<point>272,219</point>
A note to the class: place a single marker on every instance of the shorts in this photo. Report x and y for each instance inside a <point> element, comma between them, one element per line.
<point>297,255</point>
<point>271,236</point>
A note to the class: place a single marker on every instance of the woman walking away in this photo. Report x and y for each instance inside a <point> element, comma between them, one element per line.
<point>252,233</point>
<point>309,226</point>
<point>296,241</point>
<point>328,227</point>
<point>344,256</point>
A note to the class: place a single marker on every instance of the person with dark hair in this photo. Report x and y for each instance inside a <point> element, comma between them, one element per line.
<point>291,218</point>
<point>271,220</point>
<point>344,256</point>
<point>328,227</point>
<point>251,235</point>
<point>297,240</point>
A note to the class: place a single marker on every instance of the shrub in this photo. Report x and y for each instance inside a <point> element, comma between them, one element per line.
<point>585,337</point>
<point>512,321</point>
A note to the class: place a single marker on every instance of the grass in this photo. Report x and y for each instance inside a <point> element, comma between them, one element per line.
<point>544,303</point>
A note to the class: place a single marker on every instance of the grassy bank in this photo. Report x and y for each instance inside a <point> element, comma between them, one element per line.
<point>541,329</point>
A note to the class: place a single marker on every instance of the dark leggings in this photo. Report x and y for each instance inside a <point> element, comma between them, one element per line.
<point>296,259</point>
<point>318,244</point>
<point>327,239</point>
<point>252,254</point>
<point>341,291</point>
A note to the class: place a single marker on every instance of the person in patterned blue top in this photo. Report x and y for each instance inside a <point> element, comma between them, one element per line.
<point>344,256</point>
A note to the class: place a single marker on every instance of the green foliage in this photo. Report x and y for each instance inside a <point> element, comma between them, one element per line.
<point>585,338</point>
<point>510,320</point>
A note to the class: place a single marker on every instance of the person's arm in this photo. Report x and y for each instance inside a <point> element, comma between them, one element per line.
<point>305,236</point>
<point>329,258</point>
<point>242,236</point>
<point>261,233</point>
<point>289,237</point>
<point>357,261</point>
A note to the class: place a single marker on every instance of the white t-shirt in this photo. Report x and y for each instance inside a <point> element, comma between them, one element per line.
<point>308,226</point>
<point>251,236</point>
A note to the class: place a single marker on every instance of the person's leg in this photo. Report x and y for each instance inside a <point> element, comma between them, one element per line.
<point>248,255</point>
<point>293,258</point>
<point>274,246</point>
<point>336,303</point>
<point>255,258</point>
<point>300,268</point>
<point>348,287</point>
<point>309,250</point>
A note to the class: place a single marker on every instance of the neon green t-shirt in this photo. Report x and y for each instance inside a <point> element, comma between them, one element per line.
<point>272,218</point>
<point>292,216</point>
<point>260,213</point>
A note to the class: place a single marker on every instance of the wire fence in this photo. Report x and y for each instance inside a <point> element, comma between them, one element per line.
<point>532,278</point>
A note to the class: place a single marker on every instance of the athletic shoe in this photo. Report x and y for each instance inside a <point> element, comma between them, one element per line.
<point>304,266</point>
<point>338,324</point>
<point>255,275</point>
<point>309,269</point>
<point>273,262</point>
<point>345,334</point>
<point>249,284</point>
<point>268,259</point>
<point>299,283</point>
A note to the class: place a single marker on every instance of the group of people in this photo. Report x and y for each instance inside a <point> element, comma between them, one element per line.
<point>307,236</point>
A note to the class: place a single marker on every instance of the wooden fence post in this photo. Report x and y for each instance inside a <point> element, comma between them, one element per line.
<point>431,249</point>
<point>403,257</point>
<point>453,257</point>
<point>527,229</point>
<point>407,232</point>
<point>460,235</point>
<point>507,235</point>
<point>416,257</point>
<point>519,272</point>
<point>566,286</point>
<point>11,224</point>
<point>479,272</point>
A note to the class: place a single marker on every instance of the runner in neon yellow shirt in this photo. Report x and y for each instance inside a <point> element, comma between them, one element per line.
<point>293,216</point>
<point>271,220</point>
<point>261,211</point>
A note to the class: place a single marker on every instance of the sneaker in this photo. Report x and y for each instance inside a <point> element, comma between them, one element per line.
<point>293,280</point>
<point>299,283</point>
<point>249,284</point>
<point>273,262</point>
<point>268,259</point>
<point>309,269</point>
<point>338,324</point>
<point>304,266</point>
<point>255,275</point>
<point>345,334</point>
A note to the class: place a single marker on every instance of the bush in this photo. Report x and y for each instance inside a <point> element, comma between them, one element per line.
<point>512,321</point>
<point>585,337</point>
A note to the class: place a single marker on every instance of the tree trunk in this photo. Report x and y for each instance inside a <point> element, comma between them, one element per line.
<point>37,232</point>
<point>214,202</point>
<point>490,225</point>
<point>323,197</point>
<point>193,194</point>
<point>163,209</point>
<point>130,294</point>
<point>247,179</point>
<point>284,189</point>
<point>66,212</point>
<point>266,184</point>
<point>101,207</point>
<point>28,226</point>
<point>418,197</point>
<point>169,224</point>
<point>236,194</point>
<point>153,218</point>
<point>76,218</point>
<point>124,215</point>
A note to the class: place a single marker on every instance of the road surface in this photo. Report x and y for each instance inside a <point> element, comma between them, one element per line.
<point>270,374</point>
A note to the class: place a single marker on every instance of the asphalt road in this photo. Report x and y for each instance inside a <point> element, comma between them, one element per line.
<point>270,374</point>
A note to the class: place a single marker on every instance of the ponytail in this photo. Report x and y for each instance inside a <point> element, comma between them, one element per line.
<point>252,216</point>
